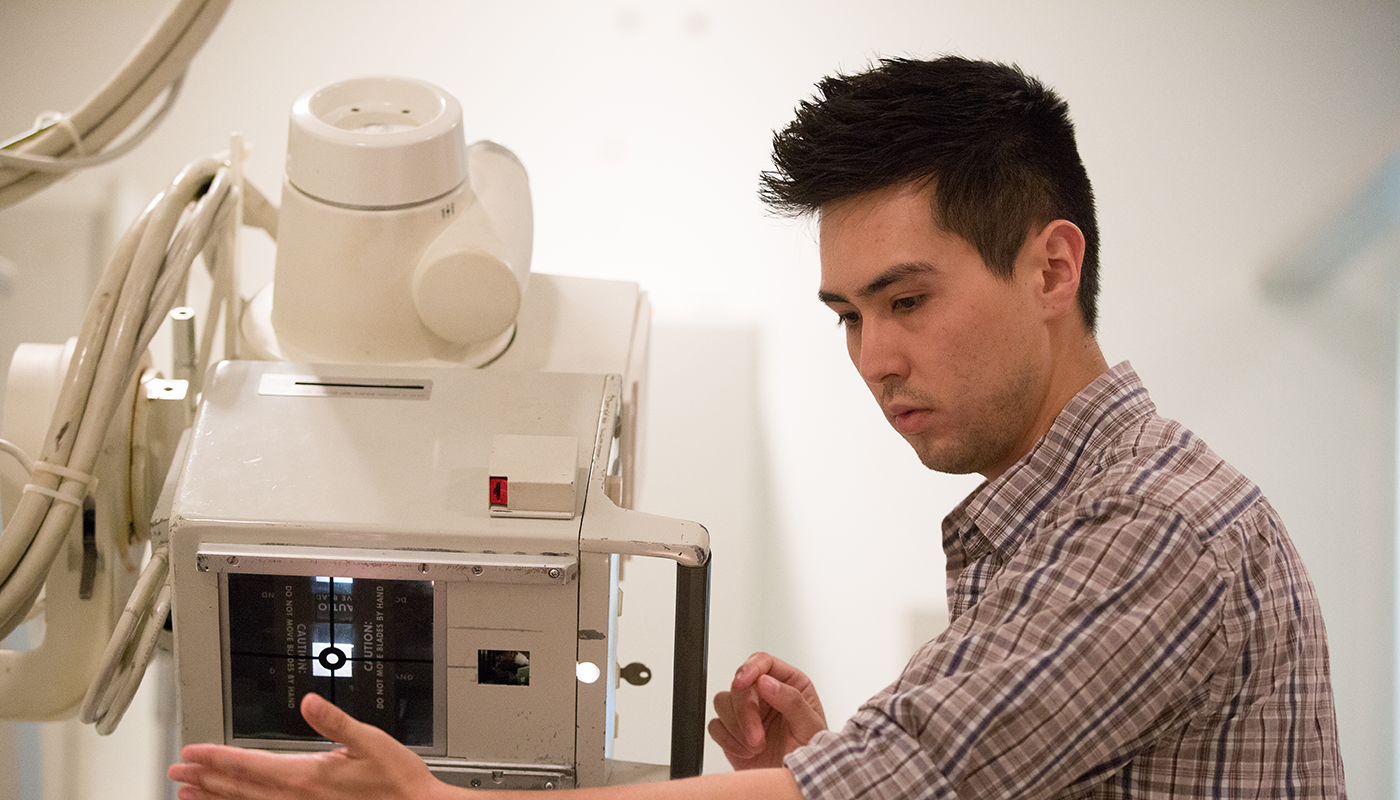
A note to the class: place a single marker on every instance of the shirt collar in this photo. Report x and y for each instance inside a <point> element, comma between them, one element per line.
<point>999,512</point>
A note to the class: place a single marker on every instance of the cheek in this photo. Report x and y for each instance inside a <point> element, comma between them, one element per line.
<point>995,321</point>
<point>955,355</point>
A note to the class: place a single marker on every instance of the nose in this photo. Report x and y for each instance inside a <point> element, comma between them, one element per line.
<point>878,353</point>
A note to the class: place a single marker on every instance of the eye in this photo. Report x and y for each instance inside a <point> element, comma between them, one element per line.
<point>907,303</point>
<point>847,319</point>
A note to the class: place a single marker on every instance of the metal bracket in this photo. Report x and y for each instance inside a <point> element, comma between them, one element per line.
<point>608,528</point>
<point>686,543</point>
<point>401,564</point>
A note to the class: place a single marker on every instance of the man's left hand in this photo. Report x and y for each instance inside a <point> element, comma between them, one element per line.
<point>370,764</point>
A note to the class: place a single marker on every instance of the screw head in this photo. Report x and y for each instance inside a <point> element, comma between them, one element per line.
<point>554,572</point>
<point>233,561</point>
<point>477,570</point>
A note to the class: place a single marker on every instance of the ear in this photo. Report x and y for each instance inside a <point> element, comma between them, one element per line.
<point>1060,245</point>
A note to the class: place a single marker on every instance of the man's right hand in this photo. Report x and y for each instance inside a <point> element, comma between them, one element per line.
<point>770,710</point>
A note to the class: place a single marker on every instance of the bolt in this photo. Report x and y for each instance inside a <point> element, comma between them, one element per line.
<point>549,784</point>
<point>554,572</point>
<point>476,783</point>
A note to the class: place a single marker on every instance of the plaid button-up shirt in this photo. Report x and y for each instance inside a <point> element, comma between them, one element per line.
<point>1129,620</point>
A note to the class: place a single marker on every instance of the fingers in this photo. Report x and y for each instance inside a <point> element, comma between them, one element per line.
<point>729,728</point>
<point>749,706</point>
<point>194,793</point>
<point>726,741</point>
<point>765,664</point>
<point>748,672</point>
<point>770,710</point>
<point>231,772</point>
<point>743,714</point>
<point>803,720</point>
<point>741,754</point>
<point>197,791</point>
<point>336,725</point>
<point>745,717</point>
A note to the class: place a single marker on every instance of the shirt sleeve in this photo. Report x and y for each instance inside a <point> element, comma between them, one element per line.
<point>1097,636</point>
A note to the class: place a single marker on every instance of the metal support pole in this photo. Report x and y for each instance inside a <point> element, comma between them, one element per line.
<point>692,650</point>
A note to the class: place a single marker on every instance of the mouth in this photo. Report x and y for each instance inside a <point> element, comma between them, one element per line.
<point>907,419</point>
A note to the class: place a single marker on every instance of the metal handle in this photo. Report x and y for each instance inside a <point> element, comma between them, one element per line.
<point>692,650</point>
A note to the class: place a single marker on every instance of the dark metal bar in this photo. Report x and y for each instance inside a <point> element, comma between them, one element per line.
<point>692,650</point>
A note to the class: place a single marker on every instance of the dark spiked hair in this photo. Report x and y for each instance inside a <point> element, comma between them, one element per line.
<point>996,145</point>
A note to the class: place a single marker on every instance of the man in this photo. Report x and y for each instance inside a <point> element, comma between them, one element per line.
<point>1129,618</point>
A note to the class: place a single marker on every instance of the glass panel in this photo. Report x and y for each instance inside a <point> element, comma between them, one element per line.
<point>364,644</point>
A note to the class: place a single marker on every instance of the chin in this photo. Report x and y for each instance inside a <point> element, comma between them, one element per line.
<point>951,469</point>
<point>947,463</point>
<point>951,459</point>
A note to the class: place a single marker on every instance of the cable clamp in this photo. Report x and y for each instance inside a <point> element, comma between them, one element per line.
<point>87,480</point>
<point>63,122</point>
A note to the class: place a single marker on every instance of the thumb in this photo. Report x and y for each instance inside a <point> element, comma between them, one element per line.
<point>802,718</point>
<point>333,723</point>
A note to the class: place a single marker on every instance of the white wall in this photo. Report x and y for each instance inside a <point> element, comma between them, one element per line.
<point>1214,132</point>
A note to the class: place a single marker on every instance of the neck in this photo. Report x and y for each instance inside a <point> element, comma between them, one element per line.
<point>1082,365</point>
<point>1077,362</point>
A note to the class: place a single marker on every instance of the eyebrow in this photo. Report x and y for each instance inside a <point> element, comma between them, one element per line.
<point>883,281</point>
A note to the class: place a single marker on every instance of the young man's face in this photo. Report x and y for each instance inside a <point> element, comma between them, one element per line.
<point>959,359</point>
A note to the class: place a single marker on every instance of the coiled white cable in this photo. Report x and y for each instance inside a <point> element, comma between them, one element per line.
<point>39,163</point>
<point>17,453</point>
<point>132,646</point>
<point>135,292</point>
<point>129,651</point>
<point>156,65</point>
